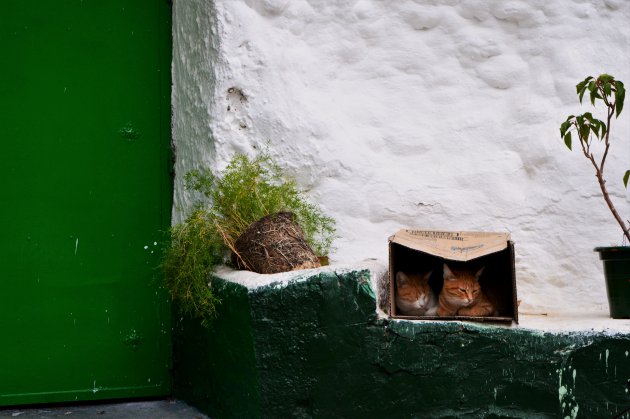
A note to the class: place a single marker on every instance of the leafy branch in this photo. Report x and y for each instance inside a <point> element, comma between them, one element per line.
<point>612,93</point>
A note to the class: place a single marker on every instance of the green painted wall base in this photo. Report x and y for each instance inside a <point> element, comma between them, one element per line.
<point>314,348</point>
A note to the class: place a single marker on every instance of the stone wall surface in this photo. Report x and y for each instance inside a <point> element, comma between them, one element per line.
<point>435,114</point>
<point>314,347</point>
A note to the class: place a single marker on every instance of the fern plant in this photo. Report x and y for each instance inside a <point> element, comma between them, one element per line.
<point>195,249</point>
<point>247,190</point>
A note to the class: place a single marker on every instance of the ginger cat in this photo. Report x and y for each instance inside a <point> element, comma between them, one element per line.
<point>414,296</point>
<point>461,295</point>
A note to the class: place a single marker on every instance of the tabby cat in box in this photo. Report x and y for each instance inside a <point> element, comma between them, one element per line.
<point>462,295</point>
<point>414,296</point>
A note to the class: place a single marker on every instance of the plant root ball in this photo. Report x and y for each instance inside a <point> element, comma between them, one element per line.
<point>273,244</point>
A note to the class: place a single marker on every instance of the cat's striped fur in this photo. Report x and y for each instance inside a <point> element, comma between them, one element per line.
<point>414,296</point>
<point>462,295</point>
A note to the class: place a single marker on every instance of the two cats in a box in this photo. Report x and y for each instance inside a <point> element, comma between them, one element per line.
<point>461,295</point>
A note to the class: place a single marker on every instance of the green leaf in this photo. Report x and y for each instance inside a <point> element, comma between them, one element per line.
<point>580,120</point>
<point>626,177</point>
<point>595,128</point>
<point>601,127</point>
<point>595,95</point>
<point>580,87</point>
<point>584,132</point>
<point>582,94</point>
<point>620,95</point>
<point>564,127</point>
<point>605,78</point>
<point>593,88</point>
<point>567,140</point>
<point>583,86</point>
<point>607,89</point>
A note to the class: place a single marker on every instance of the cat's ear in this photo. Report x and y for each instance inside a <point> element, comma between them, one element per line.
<point>401,279</point>
<point>448,274</point>
<point>426,277</point>
<point>479,272</point>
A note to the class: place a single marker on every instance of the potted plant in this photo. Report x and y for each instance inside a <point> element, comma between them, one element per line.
<point>247,190</point>
<point>616,259</point>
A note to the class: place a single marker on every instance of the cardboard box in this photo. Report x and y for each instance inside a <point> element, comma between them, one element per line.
<point>428,250</point>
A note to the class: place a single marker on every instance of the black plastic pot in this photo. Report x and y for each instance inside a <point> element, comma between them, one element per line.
<point>617,274</point>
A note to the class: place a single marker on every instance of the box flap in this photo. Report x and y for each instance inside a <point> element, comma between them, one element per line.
<point>453,245</point>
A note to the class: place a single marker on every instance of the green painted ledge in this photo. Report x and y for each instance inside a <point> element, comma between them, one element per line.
<point>313,346</point>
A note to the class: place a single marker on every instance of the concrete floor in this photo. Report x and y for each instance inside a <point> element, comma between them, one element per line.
<point>155,409</point>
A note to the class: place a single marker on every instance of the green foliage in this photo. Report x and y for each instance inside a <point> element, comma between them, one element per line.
<point>247,190</point>
<point>606,89</point>
<point>195,249</point>
<point>612,94</point>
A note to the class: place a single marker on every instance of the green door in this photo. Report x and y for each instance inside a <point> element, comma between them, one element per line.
<point>84,141</point>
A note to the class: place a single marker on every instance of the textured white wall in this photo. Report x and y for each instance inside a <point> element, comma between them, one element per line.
<point>438,114</point>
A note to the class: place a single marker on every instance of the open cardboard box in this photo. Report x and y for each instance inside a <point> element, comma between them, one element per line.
<point>428,250</point>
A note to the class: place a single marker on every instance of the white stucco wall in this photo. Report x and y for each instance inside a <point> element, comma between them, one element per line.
<point>438,114</point>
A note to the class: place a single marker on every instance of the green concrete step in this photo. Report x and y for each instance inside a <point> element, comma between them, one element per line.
<point>313,345</point>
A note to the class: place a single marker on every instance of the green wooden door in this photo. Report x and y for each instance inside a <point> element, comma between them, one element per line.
<point>84,144</point>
